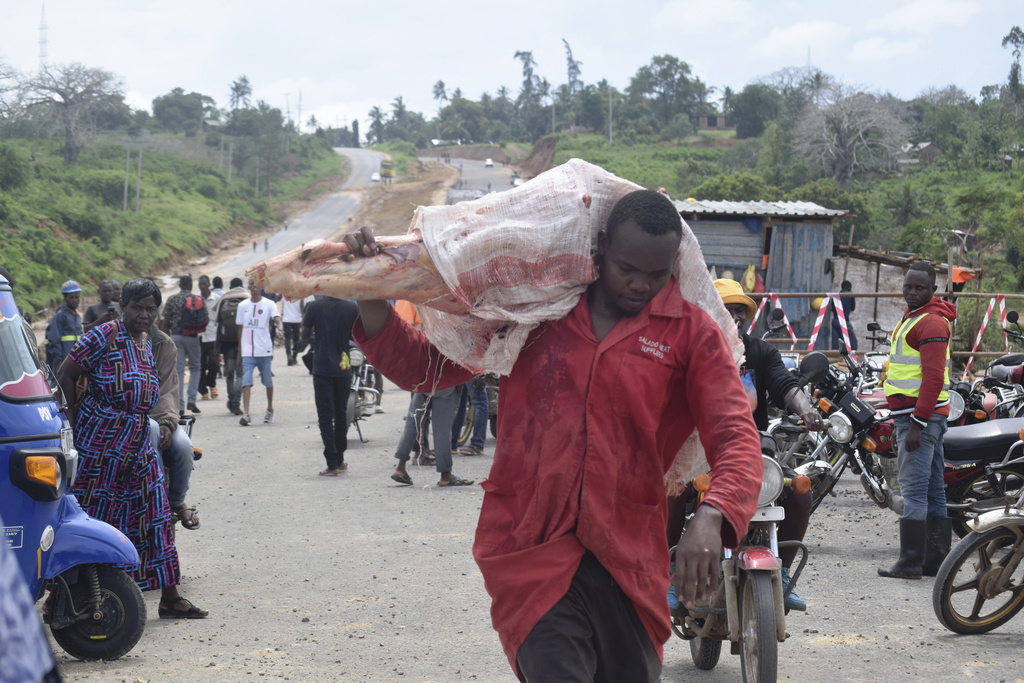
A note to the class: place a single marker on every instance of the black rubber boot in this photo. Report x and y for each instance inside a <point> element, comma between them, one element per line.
<point>940,535</point>
<point>912,543</point>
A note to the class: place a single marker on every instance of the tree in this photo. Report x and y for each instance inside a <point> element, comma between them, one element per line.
<point>572,70</point>
<point>852,131</point>
<point>313,123</point>
<point>753,107</point>
<point>73,91</point>
<point>355,133</point>
<point>1014,86</point>
<point>440,94</point>
<point>376,125</point>
<point>399,111</point>
<point>666,81</point>
<point>738,187</point>
<point>179,112</point>
<point>241,92</point>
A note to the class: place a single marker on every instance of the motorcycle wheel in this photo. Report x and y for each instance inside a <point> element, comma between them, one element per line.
<point>759,649</point>
<point>123,617</point>
<point>1009,481</point>
<point>962,595</point>
<point>467,425</point>
<point>705,653</point>
<point>822,487</point>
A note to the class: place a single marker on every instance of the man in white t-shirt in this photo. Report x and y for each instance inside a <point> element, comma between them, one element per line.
<point>208,343</point>
<point>291,316</point>
<point>256,346</point>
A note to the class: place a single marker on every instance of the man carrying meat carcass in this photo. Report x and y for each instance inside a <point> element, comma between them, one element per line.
<point>571,535</point>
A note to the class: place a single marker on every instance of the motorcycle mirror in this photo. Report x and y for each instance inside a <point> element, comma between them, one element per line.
<point>875,327</point>
<point>814,367</point>
<point>1012,317</point>
<point>778,315</point>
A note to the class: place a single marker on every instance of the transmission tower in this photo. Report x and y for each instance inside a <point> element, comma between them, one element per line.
<point>42,39</point>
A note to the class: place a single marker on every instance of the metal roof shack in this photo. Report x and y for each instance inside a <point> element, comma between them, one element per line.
<point>783,246</point>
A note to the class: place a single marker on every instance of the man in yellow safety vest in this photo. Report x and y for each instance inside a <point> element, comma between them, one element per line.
<point>916,388</point>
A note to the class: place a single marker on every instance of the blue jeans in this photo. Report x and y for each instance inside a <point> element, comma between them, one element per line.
<point>920,471</point>
<point>176,462</point>
<point>480,416</point>
<point>250,363</point>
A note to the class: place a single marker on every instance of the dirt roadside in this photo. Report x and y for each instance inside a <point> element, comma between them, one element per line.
<point>388,209</point>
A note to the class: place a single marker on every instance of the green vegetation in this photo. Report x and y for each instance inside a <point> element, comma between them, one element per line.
<point>67,222</point>
<point>402,153</point>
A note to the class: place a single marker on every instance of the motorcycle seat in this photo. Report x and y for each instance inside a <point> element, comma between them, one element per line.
<point>986,441</point>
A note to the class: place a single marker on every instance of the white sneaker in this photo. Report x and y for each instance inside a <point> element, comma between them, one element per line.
<point>268,417</point>
<point>245,421</point>
<point>378,410</point>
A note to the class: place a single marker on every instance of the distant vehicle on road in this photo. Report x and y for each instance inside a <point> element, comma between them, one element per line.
<point>375,177</point>
<point>516,182</point>
<point>488,163</point>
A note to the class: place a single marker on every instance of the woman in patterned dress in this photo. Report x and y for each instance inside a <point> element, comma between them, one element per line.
<point>119,481</point>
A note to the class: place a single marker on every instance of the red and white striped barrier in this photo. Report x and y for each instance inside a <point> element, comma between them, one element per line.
<point>840,315</point>
<point>984,323</point>
<point>785,319</point>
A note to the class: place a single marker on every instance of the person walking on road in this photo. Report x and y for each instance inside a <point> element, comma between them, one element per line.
<point>328,321</point>
<point>208,342</point>
<point>570,540</point>
<point>185,318</point>
<point>916,390</point>
<point>226,312</point>
<point>291,319</point>
<point>255,318</point>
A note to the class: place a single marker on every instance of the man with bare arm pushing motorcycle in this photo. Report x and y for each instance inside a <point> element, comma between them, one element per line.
<point>570,540</point>
<point>916,387</point>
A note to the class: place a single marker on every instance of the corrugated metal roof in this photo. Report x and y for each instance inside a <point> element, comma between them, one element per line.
<point>756,208</point>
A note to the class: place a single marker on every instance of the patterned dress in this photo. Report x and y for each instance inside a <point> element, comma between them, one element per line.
<point>118,479</point>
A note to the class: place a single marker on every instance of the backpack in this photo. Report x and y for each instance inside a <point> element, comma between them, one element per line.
<point>227,328</point>
<point>194,316</point>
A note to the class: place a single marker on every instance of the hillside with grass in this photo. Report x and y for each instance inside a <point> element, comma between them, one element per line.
<point>64,222</point>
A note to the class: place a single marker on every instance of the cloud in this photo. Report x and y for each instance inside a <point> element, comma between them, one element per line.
<point>878,49</point>
<point>700,15</point>
<point>792,42</point>
<point>925,16</point>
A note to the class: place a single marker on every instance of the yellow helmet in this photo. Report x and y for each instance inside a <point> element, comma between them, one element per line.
<point>816,303</point>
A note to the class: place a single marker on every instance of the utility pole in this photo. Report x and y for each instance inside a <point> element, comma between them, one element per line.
<point>138,184</point>
<point>127,165</point>
<point>257,177</point>
<point>300,112</point>
<point>231,151</point>
<point>220,164</point>
<point>287,129</point>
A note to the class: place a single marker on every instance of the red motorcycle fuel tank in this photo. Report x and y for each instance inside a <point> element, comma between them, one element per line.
<point>883,434</point>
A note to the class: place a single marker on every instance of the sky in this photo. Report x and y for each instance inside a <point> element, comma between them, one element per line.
<point>343,58</point>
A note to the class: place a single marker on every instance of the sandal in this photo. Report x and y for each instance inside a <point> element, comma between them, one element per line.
<point>424,460</point>
<point>456,481</point>
<point>188,517</point>
<point>402,478</point>
<point>470,450</point>
<point>192,612</point>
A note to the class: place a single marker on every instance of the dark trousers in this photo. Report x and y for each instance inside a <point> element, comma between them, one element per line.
<point>591,635</point>
<point>210,366</point>
<point>331,395</point>
<point>291,338</point>
<point>232,373</point>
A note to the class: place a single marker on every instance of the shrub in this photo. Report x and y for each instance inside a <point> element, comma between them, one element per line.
<point>14,168</point>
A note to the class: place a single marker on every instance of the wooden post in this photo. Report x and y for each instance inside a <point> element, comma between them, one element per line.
<point>849,245</point>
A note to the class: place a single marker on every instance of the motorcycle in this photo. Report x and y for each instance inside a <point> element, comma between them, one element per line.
<point>363,398</point>
<point>857,436</point>
<point>980,584</point>
<point>747,608</point>
<point>979,475</point>
<point>96,610</point>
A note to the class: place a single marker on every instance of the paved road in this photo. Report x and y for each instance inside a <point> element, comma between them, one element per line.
<point>322,221</point>
<point>475,176</point>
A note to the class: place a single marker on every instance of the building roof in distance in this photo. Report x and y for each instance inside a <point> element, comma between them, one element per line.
<point>803,209</point>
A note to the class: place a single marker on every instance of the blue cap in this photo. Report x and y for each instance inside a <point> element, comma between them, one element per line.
<point>70,287</point>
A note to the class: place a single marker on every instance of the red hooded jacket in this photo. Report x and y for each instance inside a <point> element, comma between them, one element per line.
<point>929,337</point>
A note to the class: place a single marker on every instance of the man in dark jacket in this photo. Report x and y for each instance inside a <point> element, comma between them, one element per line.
<point>916,389</point>
<point>66,326</point>
<point>331,320</point>
<point>767,380</point>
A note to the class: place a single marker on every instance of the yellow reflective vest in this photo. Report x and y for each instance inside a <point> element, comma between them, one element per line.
<point>905,373</point>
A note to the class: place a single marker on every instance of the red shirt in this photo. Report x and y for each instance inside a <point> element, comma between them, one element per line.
<point>586,432</point>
